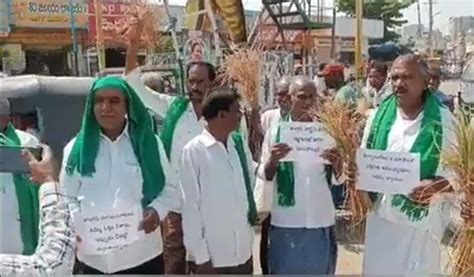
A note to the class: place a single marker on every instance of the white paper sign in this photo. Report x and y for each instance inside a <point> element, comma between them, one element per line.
<point>388,172</point>
<point>105,231</point>
<point>308,141</point>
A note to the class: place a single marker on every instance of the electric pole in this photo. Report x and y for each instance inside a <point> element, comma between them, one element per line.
<point>419,30</point>
<point>358,37</point>
<point>333,32</point>
<point>430,30</point>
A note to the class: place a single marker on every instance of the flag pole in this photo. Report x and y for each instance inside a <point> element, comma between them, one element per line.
<point>358,38</point>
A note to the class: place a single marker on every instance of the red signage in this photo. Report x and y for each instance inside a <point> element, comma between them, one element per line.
<point>113,16</point>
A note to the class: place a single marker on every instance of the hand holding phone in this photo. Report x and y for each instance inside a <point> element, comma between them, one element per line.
<point>12,161</point>
<point>43,169</point>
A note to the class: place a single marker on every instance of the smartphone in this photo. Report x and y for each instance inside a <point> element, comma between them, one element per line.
<point>12,161</point>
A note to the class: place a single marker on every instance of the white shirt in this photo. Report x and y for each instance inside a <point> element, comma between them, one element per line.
<point>320,83</point>
<point>187,127</point>
<point>375,97</point>
<point>215,223</point>
<point>414,247</point>
<point>263,193</point>
<point>270,118</point>
<point>11,242</point>
<point>117,180</point>
<point>313,207</point>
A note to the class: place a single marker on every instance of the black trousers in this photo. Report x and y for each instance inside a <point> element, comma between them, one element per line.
<point>154,266</point>
<point>264,245</point>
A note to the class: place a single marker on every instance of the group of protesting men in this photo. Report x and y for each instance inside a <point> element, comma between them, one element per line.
<point>198,180</point>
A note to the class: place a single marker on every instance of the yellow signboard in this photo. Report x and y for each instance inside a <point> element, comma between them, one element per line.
<point>49,13</point>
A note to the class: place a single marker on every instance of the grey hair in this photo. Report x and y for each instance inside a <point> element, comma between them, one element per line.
<point>422,64</point>
<point>284,81</point>
<point>301,81</point>
<point>153,80</point>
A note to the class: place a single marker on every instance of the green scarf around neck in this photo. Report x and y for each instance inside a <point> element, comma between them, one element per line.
<point>427,143</point>
<point>140,127</point>
<point>27,198</point>
<point>285,177</point>
<point>177,108</point>
<point>252,208</point>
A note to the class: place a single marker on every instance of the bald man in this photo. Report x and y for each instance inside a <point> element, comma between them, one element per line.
<point>301,239</point>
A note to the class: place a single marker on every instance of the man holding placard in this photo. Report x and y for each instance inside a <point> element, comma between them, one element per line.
<point>409,126</point>
<point>19,203</point>
<point>302,239</point>
<point>120,184</point>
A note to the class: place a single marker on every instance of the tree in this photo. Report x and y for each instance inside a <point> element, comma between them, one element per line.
<point>389,11</point>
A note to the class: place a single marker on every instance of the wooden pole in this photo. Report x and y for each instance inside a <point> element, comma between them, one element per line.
<point>358,38</point>
<point>99,35</point>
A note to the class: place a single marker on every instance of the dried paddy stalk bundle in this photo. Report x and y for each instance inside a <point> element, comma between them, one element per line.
<point>344,125</point>
<point>243,68</point>
<point>459,159</point>
<point>141,15</point>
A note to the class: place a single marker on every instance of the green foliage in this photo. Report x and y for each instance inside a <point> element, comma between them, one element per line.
<point>389,11</point>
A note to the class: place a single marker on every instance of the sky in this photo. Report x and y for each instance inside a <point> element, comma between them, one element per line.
<point>447,9</point>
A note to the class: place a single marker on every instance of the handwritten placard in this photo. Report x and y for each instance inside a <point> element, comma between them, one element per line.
<point>103,232</point>
<point>308,140</point>
<point>388,172</point>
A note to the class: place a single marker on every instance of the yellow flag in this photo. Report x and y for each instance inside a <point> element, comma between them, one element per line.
<point>231,11</point>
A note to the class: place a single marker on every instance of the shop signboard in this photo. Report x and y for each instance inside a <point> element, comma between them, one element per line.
<point>49,13</point>
<point>113,16</point>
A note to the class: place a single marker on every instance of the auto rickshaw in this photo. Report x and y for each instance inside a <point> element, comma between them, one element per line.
<point>57,103</point>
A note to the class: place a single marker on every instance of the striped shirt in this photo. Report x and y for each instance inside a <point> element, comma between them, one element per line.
<point>55,253</point>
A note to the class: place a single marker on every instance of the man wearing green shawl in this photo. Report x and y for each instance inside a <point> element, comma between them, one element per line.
<point>115,164</point>
<point>217,174</point>
<point>404,231</point>
<point>19,204</point>
<point>301,237</point>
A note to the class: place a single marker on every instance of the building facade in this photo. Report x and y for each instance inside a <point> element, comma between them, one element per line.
<point>38,36</point>
<point>460,25</point>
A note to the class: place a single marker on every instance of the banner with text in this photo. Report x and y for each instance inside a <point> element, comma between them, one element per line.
<point>105,231</point>
<point>49,13</point>
<point>113,17</point>
<point>388,172</point>
<point>308,141</point>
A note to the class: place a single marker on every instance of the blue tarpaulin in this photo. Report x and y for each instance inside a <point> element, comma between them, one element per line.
<point>384,52</point>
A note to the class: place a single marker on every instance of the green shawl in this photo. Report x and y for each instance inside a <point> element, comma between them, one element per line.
<point>144,142</point>
<point>285,177</point>
<point>27,197</point>
<point>174,113</point>
<point>252,209</point>
<point>427,143</point>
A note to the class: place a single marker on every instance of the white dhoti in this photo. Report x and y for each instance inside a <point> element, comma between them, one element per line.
<point>399,249</point>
